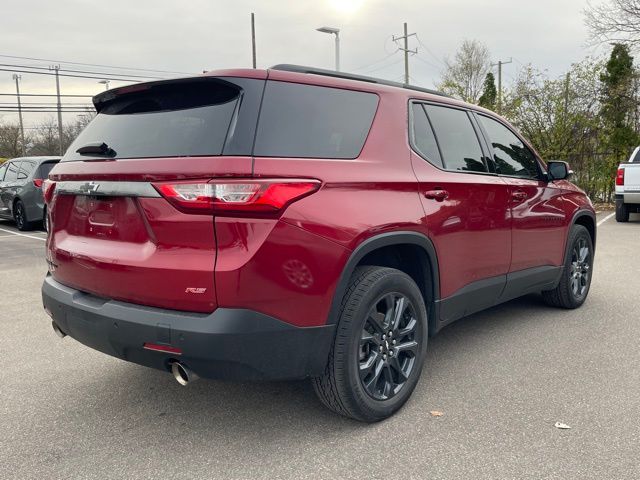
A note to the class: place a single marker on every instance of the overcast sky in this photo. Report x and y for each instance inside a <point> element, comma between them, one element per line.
<point>190,36</point>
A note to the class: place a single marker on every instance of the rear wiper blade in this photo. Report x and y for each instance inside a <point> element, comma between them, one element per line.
<point>97,148</point>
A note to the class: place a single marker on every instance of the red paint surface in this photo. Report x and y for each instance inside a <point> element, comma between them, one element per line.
<point>145,251</point>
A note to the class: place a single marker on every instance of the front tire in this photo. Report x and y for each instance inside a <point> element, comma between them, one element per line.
<point>622,212</point>
<point>381,339</point>
<point>575,282</point>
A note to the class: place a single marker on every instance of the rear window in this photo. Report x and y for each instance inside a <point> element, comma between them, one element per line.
<point>170,120</point>
<point>307,121</point>
<point>45,168</point>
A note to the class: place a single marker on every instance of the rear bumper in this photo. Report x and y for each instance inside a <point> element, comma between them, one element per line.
<point>233,344</point>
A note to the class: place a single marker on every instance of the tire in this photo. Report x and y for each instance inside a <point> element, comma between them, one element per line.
<point>622,212</point>
<point>20,217</point>
<point>391,370</point>
<point>573,288</point>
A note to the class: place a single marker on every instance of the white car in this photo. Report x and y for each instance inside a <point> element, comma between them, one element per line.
<point>628,187</point>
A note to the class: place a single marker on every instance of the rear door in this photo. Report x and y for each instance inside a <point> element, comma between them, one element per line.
<point>539,218</point>
<point>112,233</point>
<point>466,208</point>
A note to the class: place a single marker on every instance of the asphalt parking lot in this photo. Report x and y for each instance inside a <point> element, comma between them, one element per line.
<point>501,378</point>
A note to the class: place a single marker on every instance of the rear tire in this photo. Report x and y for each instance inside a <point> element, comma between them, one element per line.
<point>622,212</point>
<point>575,282</point>
<point>380,344</point>
<point>20,217</point>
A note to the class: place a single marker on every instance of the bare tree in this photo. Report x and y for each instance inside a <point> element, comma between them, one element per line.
<point>10,146</point>
<point>616,20</point>
<point>464,76</point>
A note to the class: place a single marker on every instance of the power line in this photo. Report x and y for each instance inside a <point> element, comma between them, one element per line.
<point>94,65</point>
<point>44,95</point>
<point>429,51</point>
<point>366,67</point>
<point>66,75</point>
<point>77,71</point>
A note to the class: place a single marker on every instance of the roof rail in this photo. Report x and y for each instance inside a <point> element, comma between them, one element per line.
<point>286,67</point>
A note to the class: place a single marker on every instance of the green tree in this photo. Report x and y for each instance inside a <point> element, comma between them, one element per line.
<point>489,93</point>
<point>618,102</point>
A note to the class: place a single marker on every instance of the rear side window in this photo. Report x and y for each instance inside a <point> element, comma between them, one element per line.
<point>308,121</point>
<point>26,168</point>
<point>3,169</point>
<point>12,172</point>
<point>635,158</point>
<point>167,120</point>
<point>511,156</point>
<point>457,139</point>
<point>424,140</point>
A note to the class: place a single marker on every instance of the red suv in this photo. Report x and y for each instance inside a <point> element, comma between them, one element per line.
<point>295,222</point>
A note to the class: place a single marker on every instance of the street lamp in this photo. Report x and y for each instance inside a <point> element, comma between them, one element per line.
<point>105,83</point>
<point>336,32</point>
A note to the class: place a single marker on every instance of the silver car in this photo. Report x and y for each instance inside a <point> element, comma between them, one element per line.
<point>21,190</point>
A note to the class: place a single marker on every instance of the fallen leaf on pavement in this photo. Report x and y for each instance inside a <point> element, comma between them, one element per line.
<point>436,413</point>
<point>562,426</point>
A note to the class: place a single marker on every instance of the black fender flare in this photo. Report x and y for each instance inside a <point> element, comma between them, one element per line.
<point>386,240</point>
<point>583,212</point>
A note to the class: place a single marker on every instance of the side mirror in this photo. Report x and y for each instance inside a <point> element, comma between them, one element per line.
<point>558,170</point>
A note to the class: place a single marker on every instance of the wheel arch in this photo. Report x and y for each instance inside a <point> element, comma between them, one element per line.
<point>587,219</point>
<point>397,250</point>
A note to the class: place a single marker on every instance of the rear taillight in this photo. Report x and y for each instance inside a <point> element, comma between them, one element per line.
<point>37,182</point>
<point>48,187</point>
<point>237,196</point>
<point>620,177</point>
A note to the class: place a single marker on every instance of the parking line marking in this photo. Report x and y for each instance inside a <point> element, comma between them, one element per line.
<point>23,235</point>
<point>605,219</point>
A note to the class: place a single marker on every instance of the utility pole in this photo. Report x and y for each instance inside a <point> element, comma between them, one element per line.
<point>57,68</point>
<point>253,39</point>
<point>17,78</point>
<point>406,51</point>
<point>566,93</point>
<point>500,64</point>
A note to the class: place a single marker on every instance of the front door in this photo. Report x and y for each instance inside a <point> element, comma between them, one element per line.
<point>539,218</point>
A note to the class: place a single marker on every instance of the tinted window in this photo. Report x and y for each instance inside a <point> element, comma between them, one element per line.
<point>313,122</point>
<point>457,139</point>
<point>171,120</point>
<point>511,156</point>
<point>45,168</point>
<point>26,168</point>
<point>3,169</point>
<point>12,172</point>
<point>636,156</point>
<point>423,139</point>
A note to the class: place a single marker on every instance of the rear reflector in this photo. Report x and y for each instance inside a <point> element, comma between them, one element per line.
<point>620,177</point>
<point>37,182</point>
<point>162,348</point>
<point>235,197</point>
<point>48,187</point>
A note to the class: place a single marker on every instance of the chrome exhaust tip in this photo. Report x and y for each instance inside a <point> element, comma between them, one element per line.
<point>182,374</point>
<point>56,329</point>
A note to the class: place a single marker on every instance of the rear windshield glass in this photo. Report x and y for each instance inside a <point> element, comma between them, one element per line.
<point>165,121</point>
<point>45,168</point>
<point>313,122</point>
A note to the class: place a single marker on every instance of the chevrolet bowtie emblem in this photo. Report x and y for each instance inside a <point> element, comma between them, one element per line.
<point>89,187</point>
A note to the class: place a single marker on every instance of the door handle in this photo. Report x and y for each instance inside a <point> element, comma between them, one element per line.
<point>438,195</point>
<point>519,195</point>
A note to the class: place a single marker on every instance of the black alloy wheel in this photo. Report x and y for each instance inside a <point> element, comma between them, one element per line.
<point>388,346</point>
